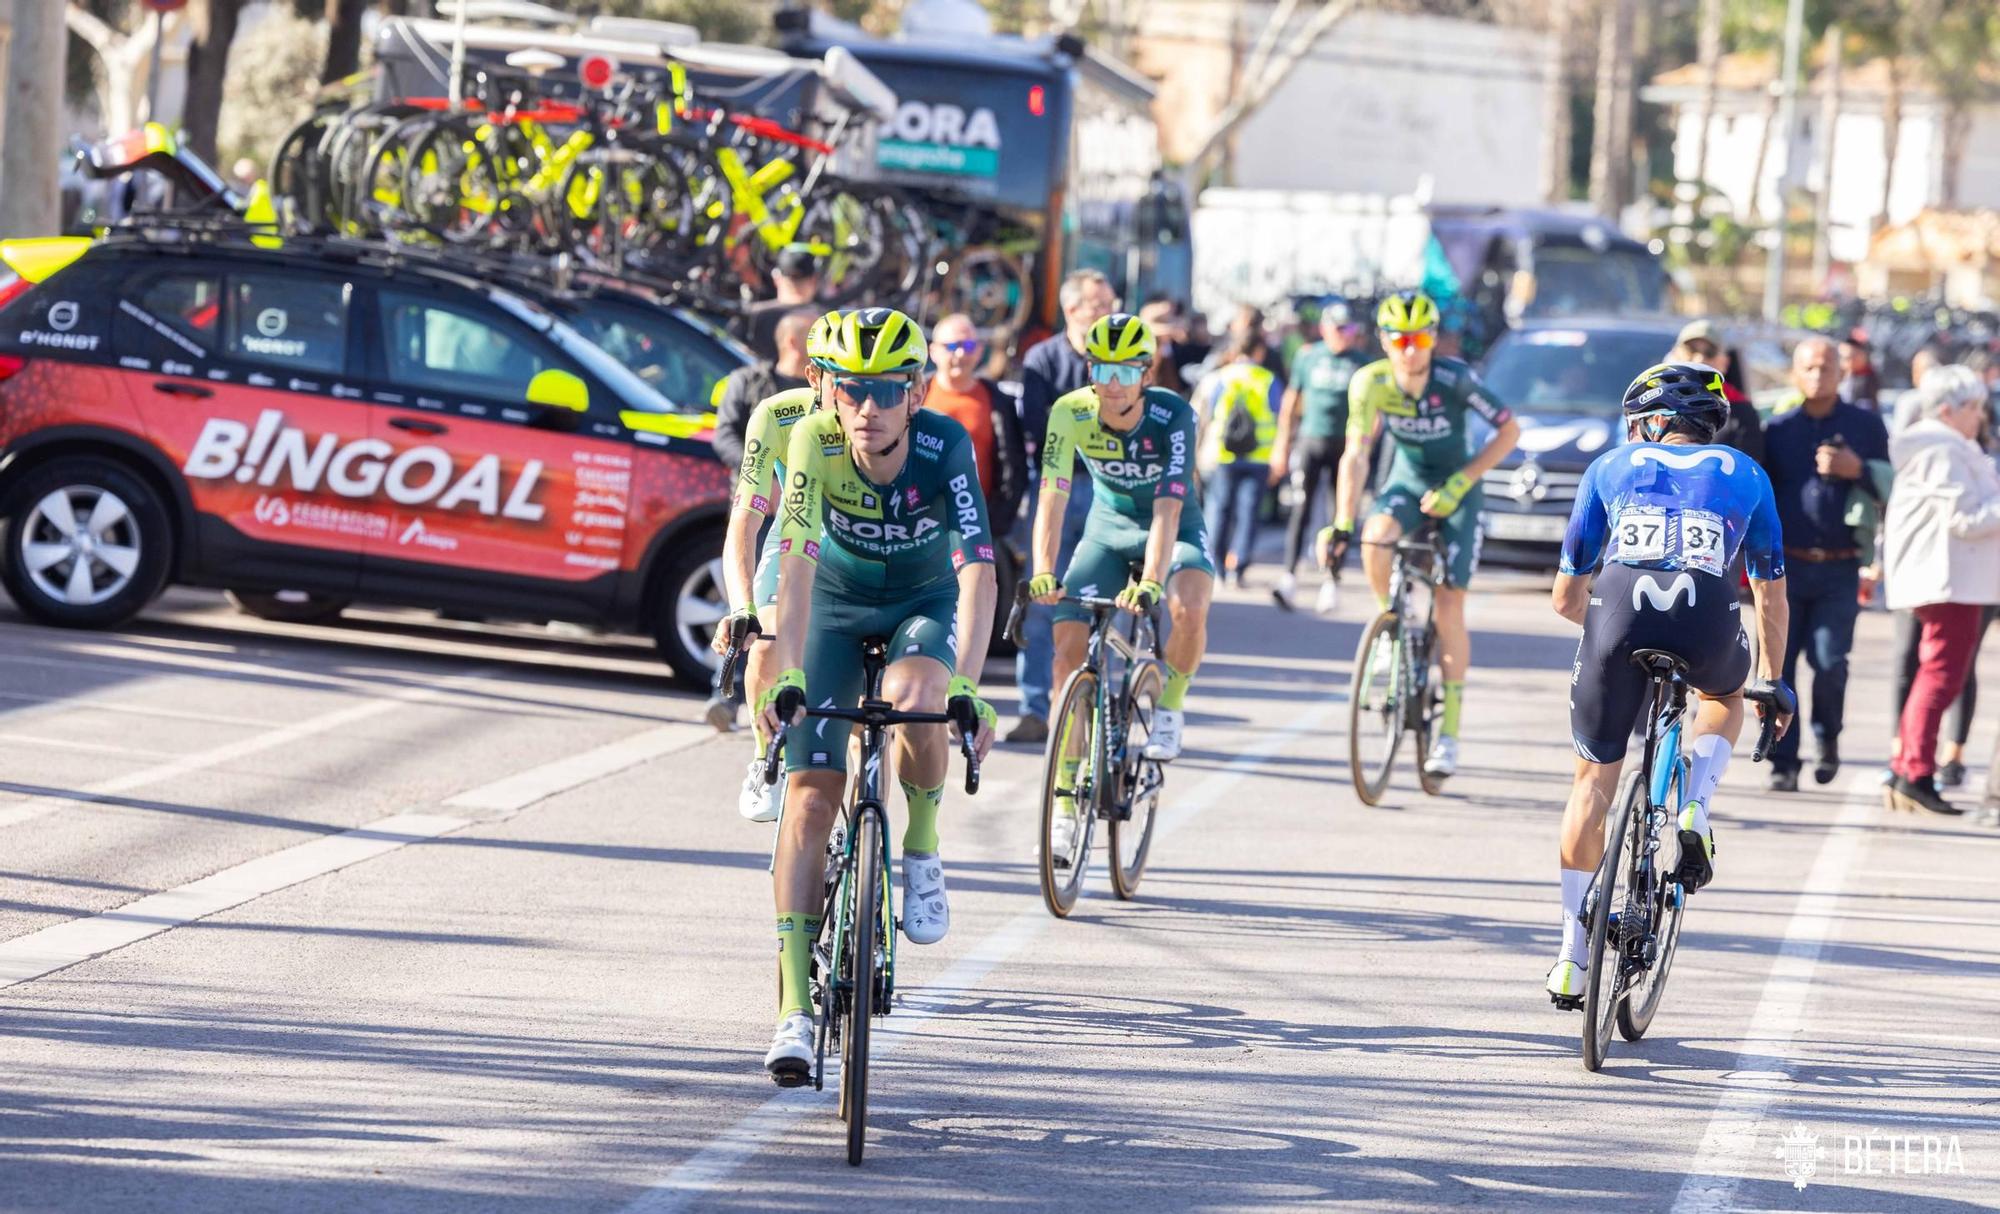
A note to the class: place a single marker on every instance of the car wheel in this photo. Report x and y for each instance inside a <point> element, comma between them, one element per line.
<point>289,606</point>
<point>87,543</point>
<point>691,604</point>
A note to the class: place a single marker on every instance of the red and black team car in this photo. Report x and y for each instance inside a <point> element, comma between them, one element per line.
<point>307,424</point>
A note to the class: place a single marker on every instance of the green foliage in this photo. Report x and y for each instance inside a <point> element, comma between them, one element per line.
<point>273,75</point>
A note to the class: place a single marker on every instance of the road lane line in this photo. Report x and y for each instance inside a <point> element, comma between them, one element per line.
<point>1762,1068</point>
<point>686,1185</point>
<point>514,793</point>
<point>32,956</point>
<point>202,760</point>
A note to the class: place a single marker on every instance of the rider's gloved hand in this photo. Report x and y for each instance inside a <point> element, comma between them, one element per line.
<point>1141,596</point>
<point>965,706</point>
<point>784,701</point>
<point>1044,588</point>
<point>1787,702</point>
<point>1443,501</point>
<point>1333,542</point>
<point>737,629</point>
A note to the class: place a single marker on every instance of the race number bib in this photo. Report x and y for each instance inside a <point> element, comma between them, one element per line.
<point>1689,539</point>
<point>1642,534</point>
<point>1702,542</point>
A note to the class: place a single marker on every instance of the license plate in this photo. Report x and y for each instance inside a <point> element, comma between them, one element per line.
<point>1535,528</point>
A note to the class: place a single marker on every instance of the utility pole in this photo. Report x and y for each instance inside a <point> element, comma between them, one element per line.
<point>1611,144</point>
<point>1788,122</point>
<point>1829,129</point>
<point>31,141</point>
<point>1555,104</point>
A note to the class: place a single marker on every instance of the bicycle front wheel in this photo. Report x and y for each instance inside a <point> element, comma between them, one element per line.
<point>1610,890</point>
<point>1374,722</point>
<point>1139,782</point>
<point>1429,715</point>
<point>1072,737</point>
<point>862,965</point>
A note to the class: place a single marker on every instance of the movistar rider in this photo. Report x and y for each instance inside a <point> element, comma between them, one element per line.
<point>1144,538</point>
<point>1667,514</point>
<point>753,595</point>
<point>1427,404</point>
<point>884,533</point>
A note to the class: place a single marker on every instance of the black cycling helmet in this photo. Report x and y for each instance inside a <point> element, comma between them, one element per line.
<point>1687,392</point>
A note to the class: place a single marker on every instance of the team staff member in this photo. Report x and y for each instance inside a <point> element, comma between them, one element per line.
<point>958,392</point>
<point>884,534</point>
<point>1426,405</point>
<point>1237,436</point>
<point>1312,433</point>
<point>1675,512</point>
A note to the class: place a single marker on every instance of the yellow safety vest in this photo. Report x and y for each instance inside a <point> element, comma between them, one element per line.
<point>1244,386</point>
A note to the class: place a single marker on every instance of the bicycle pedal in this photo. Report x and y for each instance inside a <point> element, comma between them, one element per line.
<point>1566,1003</point>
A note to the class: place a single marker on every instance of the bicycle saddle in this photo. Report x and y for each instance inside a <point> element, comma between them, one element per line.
<point>1659,661</point>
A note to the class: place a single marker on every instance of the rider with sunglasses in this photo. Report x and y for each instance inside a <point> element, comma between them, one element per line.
<point>884,533</point>
<point>1145,538</point>
<point>1426,403</point>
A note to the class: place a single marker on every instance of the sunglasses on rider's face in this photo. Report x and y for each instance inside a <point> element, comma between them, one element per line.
<point>969,346</point>
<point>859,390</point>
<point>1422,339</point>
<point>1124,374</point>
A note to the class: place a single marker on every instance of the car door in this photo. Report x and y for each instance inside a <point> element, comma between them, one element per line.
<point>239,374</point>
<point>501,504</point>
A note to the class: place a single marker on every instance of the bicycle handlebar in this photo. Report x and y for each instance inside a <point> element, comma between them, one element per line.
<point>1017,615</point>
<point>1767,730</point>
<point>741,629</point>
<point>967,737</point>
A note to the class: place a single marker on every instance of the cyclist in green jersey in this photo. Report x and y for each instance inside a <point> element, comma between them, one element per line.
<point>1144,538</point>
<point>1426,403</point>
<point>884,533</point>
<point>750,575</point>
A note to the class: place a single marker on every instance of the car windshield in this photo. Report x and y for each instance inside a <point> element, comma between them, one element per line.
<point>633,392</point>
<point>1573,281</point>
<point>1570,370</point>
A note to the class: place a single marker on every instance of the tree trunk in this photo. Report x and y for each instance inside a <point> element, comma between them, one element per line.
<point>1751,209</point>
<point>343,39</point>
<point>1709,55</point>
<point>1957,130</point>
<point>1892,133</point>
<point>1829,123</point>
<point>1611,143</point>
<point>31,141</point>
<point>208,63</point>
<point>1555,104</point>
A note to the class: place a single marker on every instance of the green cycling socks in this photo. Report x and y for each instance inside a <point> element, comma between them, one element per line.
<point>796,933</point>
<point>921,835</point>
<point>1175,692</point>
<point>1454,698</point>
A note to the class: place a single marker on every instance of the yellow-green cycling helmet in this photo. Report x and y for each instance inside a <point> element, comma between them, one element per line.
<point>1120,338</point>
<point>875,341</point>
<point>1406,312</point>
<point>820,336</point>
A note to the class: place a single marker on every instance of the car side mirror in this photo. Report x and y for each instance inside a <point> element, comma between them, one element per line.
<point>559,390</point>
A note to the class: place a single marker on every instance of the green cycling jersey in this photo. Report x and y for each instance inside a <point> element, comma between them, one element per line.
<point>764,447</point>
<point>1432,430</point>
<point>1130,469</point>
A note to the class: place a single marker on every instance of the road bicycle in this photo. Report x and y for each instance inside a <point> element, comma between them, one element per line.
<point>1396,687</point>
<point>1103,720</point>
<point>853,977</point>
<point>1634,904</point>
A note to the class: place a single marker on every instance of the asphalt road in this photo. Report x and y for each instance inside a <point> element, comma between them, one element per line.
<point>406,916</point>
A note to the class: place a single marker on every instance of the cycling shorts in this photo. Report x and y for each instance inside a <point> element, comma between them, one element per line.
<point>1690,615</point>
<point>764,582</point>
<point>1112,552</point>
<point>1460,530</point>
<point>919,626</point>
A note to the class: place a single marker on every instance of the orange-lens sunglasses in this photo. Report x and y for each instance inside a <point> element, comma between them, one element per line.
<point>1422,339</point>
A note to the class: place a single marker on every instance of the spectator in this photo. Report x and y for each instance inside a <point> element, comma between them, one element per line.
<point>796,281</point>
<point>1907,403</point>
<point>1170,331</point>
<point>1829,469</point>
<point>1052,369</point>
<point>986,413</point>
<point>1312,434</point>
<point>1236,439</point>
<point>742,390</point>
<point>1942,554</point>
<point>1859,383</point>
<point>1744,430</point>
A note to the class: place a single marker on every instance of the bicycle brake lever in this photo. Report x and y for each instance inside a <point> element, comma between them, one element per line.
<point>771,755</point>
<point>971,765</point>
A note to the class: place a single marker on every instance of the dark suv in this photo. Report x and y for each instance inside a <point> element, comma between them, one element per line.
<point>308,423</point>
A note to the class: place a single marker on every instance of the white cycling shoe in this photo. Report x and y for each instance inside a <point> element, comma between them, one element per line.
<point>1329,598</point>
<point>758,801</point>
<point>1566,983</point>
<point>1062,837</point>
<point>926,909</point>
<point>1164,743</point>
<point>790,1060</point>
<point>1443,759</point>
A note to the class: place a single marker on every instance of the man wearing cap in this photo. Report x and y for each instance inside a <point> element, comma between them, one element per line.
<point>1744,430</point>
<point>1312,434</point>
<point>796,280</point>
<point>1859,382</point>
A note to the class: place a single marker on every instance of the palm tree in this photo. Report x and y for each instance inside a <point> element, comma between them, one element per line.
<point>1954,41</point>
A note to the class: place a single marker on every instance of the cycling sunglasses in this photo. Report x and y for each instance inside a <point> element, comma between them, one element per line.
<point>1422,339</point>
<point>884,392</point>
<point>1124,374</point>
<point>969,346</point>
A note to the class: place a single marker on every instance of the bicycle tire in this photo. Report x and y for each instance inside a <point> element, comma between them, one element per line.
<point>1073,722</point>
<point>1139,783</point>
<point>1371,779</point>
<point>1669,908</point>
<point>1607,957</point>
<point>435,188</point>
<point>1428,719</point>
<point>856,1033</point>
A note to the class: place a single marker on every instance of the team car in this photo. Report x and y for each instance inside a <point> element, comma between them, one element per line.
<point>310,423</point>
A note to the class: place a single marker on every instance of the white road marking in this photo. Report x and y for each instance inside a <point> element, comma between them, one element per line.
<point>707,1168</point>
<point>32,956</point>
<point>522,789</point>
<point>1762,1069</point>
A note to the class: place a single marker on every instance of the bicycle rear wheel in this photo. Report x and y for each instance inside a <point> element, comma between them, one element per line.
<point>1668,903</point>
<point>1139,786</point>
<point>1072,732</point>
<point>1374,723</point>
<point>861,968</point>
<point>1609,891</point>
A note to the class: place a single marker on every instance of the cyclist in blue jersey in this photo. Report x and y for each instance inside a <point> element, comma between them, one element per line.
<point>1660,521</point>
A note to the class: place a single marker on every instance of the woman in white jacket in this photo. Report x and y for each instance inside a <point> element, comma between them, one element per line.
<point>1941,545</point>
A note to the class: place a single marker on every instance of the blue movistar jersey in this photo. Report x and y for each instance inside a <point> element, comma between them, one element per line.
<point>1661,506</point>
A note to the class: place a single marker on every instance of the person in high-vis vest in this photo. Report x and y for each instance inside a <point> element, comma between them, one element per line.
<point>1241,431</point>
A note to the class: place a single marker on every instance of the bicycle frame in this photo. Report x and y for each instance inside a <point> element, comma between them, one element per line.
<point>1108,714</point>
<point>1414,668</point>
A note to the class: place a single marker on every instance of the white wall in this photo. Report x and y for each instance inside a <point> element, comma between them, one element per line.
<point>1384,99</point>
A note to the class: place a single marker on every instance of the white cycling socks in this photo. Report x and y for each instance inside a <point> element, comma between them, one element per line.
<point>1574,882</point>
<point>1710,758</point>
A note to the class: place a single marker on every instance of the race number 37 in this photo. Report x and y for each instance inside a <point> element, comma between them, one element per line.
<point>1694,539</point>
